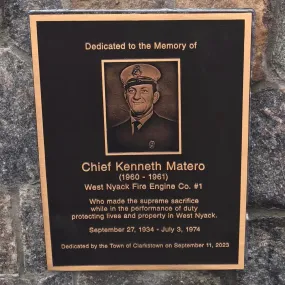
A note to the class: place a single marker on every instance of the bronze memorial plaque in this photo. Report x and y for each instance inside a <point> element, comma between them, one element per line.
<point>142,122</point>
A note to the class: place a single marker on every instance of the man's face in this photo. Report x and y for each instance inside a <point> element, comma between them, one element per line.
<point>141,98</point>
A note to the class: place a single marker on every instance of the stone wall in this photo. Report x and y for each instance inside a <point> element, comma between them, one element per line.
<point>22,253</point>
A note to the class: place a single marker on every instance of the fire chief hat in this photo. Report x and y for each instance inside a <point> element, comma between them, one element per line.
<point>137,74</point>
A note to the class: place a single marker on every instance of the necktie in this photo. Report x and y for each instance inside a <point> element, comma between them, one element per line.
<point>136,125</point>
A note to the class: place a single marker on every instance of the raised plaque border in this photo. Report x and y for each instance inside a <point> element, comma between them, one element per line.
<point>135,15</point>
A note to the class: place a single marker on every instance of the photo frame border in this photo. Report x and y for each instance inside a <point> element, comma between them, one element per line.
<point>103,61</point>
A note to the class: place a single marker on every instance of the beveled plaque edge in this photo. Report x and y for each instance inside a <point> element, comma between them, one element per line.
<point>144,15</point>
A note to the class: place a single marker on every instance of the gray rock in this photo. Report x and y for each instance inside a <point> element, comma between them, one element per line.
<point>276,53</point>
<point>266,250</point>
<point>39,279</point>
<point>199,278</point>
<point>8,252</point>
<point>16,19</point>
<point>14,281</point>
<point>149,278</point>
<point>32,229</point>
<point>18,147</point>
<point>57,279</point>
<point>122,4</point>
<point>267,149</point>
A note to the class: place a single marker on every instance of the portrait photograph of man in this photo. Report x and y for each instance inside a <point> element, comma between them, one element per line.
<point>142,106</point>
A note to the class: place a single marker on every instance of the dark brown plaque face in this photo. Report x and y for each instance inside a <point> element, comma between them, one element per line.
<point>143,138</point>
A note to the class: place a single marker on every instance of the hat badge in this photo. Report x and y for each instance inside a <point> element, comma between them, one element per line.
<point>137,71</point>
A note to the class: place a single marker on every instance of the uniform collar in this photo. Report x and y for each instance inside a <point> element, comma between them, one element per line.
<point>143,119</point>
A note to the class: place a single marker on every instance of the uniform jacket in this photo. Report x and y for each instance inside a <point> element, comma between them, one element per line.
<point>157,134</point>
